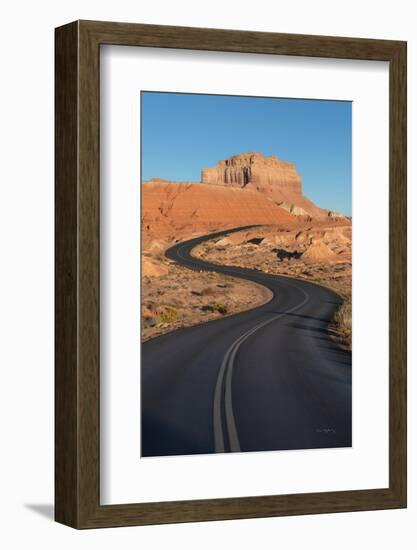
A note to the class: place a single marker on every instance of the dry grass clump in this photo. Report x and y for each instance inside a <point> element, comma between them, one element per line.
<point>168,315</point>
<point>221,307</point>
<point>342,322</point>
<point>164,315</point>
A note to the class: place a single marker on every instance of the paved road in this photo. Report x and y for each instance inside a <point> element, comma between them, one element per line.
<point>265,379</point>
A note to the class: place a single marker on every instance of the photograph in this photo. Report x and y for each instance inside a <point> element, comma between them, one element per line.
<point>246,274</point>
<point>209,259</point>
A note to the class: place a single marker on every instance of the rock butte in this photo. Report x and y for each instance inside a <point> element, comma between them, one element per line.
<point>242,190</point>
<point>277,180</point>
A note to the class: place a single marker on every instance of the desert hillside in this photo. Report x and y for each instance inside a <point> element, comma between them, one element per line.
<point>320,252</point>
<point>295,237</point>
<point>177,210</point>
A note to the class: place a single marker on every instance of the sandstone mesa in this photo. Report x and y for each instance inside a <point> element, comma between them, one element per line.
<point>276,179</point>
<point>245,189</point>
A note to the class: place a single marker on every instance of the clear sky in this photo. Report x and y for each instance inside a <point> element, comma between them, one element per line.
<point>183,133</point>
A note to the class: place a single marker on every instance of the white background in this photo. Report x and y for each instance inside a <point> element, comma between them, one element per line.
<point>124,477</point>
<point>26,400</point>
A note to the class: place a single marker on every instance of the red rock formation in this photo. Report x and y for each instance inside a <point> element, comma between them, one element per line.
<point>175,210</point>
<point>318,251</point>
<point>276,179</point>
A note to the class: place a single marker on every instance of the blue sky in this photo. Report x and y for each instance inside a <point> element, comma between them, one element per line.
<point>183,133</point>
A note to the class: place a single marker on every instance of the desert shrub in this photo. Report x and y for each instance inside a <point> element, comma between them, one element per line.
<point>168,315</point>
<point>221,307</point>
<point>344,316</point>
<point>343,321</point>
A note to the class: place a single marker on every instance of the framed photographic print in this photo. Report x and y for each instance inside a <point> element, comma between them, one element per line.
<point>230,274</point>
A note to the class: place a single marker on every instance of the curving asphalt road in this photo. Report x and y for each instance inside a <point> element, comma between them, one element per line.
<point>265,379</point>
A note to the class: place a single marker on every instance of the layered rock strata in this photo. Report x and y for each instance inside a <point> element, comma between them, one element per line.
<point>277,180</point>
<point>170,210</point>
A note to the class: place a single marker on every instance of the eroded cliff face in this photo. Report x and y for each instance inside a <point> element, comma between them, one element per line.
<point>255,171</point>
<point>276,179</point>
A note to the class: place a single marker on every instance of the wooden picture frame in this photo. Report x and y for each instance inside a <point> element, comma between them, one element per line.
<point>77,404</point>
